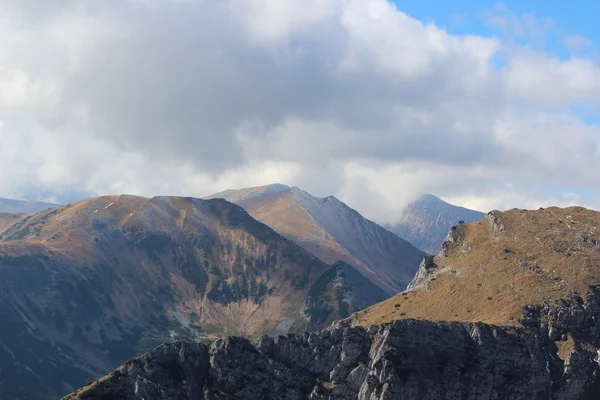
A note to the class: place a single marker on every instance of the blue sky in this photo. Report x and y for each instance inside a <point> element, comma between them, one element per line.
<point>577,17</point>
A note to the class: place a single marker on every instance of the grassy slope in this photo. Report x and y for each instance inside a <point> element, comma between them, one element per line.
<point>539,256</point>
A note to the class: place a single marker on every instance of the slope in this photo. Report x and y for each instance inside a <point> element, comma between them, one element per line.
<point>488,271</point>
<point>85,286</point>
<point>332,231</point>
<point>425,222</point>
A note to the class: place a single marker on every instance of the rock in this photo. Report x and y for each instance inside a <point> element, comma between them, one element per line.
<point>494,217</point>
<point>453,240</point>
<point>407,359</point>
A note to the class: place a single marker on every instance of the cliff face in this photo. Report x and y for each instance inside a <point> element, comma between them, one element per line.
<point>408,359</point>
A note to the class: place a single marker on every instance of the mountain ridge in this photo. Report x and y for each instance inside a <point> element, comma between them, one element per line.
<point>87,285</point>
<point>332,231</point>
<point>23,206</point>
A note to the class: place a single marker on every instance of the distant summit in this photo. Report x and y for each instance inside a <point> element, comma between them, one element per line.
<point>426,221</point>
<point>237,195</point>
<point>23,206</point>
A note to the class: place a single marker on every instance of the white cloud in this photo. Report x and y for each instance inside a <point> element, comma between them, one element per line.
<point>549,81</point>
<point>353,98</point>
<point>274,22</point>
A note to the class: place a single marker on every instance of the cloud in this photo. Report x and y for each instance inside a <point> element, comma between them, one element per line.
<point>353,98</point>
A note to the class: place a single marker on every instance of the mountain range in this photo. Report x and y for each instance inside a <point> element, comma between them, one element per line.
<point>509,309</point>
<point>426,221</point>
<point>85,286</point>
<point>88,285</point>
<point>332,231</point>
<point>23,206</point>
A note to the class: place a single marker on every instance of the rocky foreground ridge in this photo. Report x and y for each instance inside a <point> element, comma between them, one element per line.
<point>554,356</point>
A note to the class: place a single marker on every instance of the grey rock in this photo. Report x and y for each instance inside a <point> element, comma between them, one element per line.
<point>407,359</point>
<point>494,217</point>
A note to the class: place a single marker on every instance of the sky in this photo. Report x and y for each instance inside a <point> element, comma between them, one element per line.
<point>487,105</point>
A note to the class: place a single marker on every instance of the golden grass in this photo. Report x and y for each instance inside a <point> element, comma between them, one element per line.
<point>541,256</point>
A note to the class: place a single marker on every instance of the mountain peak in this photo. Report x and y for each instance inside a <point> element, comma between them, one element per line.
<point>237,195</point>
<point>428,197</point>
<point>426,221</point>
<point>332,231</point>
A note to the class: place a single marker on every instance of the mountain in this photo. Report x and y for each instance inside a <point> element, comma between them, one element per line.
<point>425,222</point>
<point>22,206</point>
<point>238,195</point>
<point>509,309</point>
<point>488,271</point>
<point>83,287</point>
<point>332,231</point>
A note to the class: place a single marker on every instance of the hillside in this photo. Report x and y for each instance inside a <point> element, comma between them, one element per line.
<point>489,270</point>
<point>83,287</point>
<point>332,231</point>
<point>22,206</point>
<point>425,222</point>
<point>509,309</point>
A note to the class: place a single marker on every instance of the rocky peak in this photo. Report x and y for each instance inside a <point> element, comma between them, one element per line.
<point>426,221</point>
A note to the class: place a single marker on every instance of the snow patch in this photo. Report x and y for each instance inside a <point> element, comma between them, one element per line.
<point>109,205</point>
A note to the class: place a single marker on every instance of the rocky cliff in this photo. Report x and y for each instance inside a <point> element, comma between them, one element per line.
<point>406,360</point>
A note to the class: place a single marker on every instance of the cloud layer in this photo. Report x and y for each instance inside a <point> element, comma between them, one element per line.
<point>352,97</point>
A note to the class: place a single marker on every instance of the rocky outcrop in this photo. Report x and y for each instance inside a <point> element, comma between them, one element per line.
<point>494,218</point>
<point>408,359</point>
<point>571,328</point>
<point>453,240</point>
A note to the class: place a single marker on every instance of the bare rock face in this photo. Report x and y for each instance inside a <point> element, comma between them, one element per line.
<point>494,217</point>
<point>453,239</point>
<point>408,359</point>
